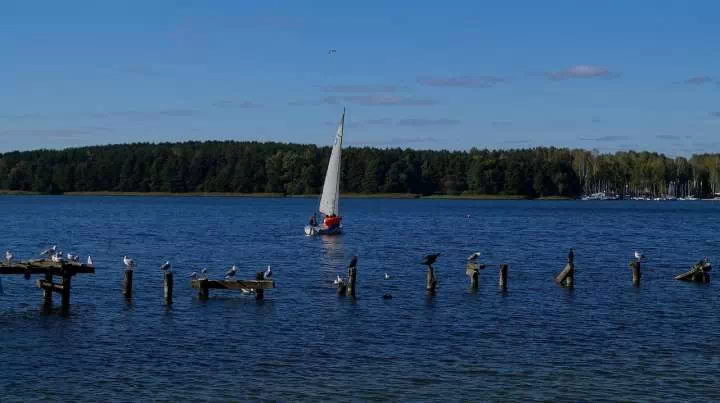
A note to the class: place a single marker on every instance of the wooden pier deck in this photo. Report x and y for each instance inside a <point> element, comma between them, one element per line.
<point>44,266</point>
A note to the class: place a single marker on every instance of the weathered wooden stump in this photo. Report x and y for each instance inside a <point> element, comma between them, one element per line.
<point>636,274</point>
<point>47,291</point>
<point>65,294</point>
<point>472,270</point>
<point>430,280</point>
<point>168,287</point>
<point>342,287</point>
<point>128,283</point>
<point>566,277</point>
<point>259,293</point>
<point>699,273</point>
<point>352,278</point>
<point>503,278</point>
<point>203,289</point>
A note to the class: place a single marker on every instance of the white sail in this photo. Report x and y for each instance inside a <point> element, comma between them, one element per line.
<point>331,189</point>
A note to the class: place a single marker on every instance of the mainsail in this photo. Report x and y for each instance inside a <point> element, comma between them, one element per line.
<point>331,189</point>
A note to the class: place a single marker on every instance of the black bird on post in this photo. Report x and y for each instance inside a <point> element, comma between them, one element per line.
<point>353,262</point>
<point>571,256</point>
<point>352,276</point>
<point>430,259</point>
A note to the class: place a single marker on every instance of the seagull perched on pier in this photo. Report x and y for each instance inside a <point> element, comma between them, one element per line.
<point>268,273</point>
<point>639,255</point>
<point>129,263</point>
<point>428,260</point>
<point>204,273</point>
<point>473,257</point>
<point>9,256</point>
<point>56,257</point>
<point>353,262</point>
<point>89,261</point>
<point>338,280</point>
<point>193,275</point>
<point>49,251</point>
<point>165,266</point>
<point>231,272</point>
<point>73,258</point>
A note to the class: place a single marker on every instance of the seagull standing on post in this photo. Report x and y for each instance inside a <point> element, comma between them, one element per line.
<point>204,274</point>
<point>166,266</point>
<point>474,257</point>
<point>129,263</point>
<point>268,273</point>
<point>231,272</point>
<point>8,256</point>
<point>639,255</point>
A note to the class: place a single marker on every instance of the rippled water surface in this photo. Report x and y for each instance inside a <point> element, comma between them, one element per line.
<point>605,340</point>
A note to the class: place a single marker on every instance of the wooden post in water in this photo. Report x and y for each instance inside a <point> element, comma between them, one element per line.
<point>128,283</point>
<point>65,293</point>
<point>203,291</point>
<point>168,287</point>
<point>352,277</point>
<point>566,277</point>
<point>430,280</point>
<point>636,274</point>
<point>472,270</point>
<point>259,293</point>
<point>503,279</point>
<point>47,292</point>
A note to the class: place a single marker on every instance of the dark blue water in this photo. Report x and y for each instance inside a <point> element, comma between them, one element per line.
<point>605,340</point>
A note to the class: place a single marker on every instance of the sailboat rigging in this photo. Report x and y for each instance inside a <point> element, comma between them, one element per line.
<point>330,199</point>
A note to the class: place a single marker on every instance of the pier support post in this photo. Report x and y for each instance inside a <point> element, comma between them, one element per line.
<point>503,278</point>
<point>203,290</point>
<point>65,293</point>
<point>128,283</point>
<point>566,277</point>
<point>472,270</point>
<point>430,280</point>
<point>352,277</point>
<point>259,293</point>
<point>168,287</point>
<point>47,292</point>
<point>636,274</point>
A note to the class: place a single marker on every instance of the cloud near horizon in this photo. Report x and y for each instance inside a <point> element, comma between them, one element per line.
<point>698,80</point>
<point>605,138</point>
<point>581,71</point>
<point>361,88</point>
<point>377,100</point>
<point>462,81</point>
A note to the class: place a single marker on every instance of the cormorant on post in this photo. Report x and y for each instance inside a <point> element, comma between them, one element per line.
<point>353,262</point>
<point>430,259</point>
<point>571,255</point>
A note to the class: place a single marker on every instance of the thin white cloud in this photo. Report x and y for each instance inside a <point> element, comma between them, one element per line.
<point>581,71</point>
<point>462,81</point>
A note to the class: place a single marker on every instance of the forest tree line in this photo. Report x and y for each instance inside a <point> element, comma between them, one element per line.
<point>295,169</point>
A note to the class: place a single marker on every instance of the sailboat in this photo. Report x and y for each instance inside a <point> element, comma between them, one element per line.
<point>330,199</point>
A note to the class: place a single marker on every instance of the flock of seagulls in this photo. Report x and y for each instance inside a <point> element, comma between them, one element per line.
<point>54,254</point>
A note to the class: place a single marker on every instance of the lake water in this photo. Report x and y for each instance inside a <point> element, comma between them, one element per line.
<point>604,340</point>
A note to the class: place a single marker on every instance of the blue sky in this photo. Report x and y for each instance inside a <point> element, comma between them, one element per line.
<point>610,75</point>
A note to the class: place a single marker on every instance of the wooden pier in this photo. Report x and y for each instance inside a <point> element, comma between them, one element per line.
<point>65,270</point>
<point>258,286</point>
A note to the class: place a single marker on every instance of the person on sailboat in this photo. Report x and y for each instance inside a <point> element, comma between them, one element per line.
<point>332,221</point>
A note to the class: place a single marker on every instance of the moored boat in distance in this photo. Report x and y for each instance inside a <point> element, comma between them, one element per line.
<point>330,199</point>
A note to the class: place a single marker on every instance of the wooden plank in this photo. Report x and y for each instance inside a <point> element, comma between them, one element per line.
<point>236,284</point>
<point>46,285</point>
<point>45,266</point>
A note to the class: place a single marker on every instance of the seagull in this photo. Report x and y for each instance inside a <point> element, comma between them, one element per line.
<point>193,275</point>
<point>231,272</point>
<point>268,272</point>
<point>73,258</point>
<point>353,262</point>
<point>165,266</point>
<point>49,251</point>
<point>430,259</point>
<point>129,263</point>
<point>8,256</point>
<point>639,255</point>
<point>473,257</point>
<point>57,258</point>
<point>338,280</point>
<point>387,276</point>
<point>89,261</point>
<point>204,273</point>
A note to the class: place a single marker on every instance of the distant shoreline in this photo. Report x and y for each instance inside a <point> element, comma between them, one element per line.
<point>280,195</point>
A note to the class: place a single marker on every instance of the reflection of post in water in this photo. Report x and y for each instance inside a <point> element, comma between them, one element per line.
<point>333,253</point>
